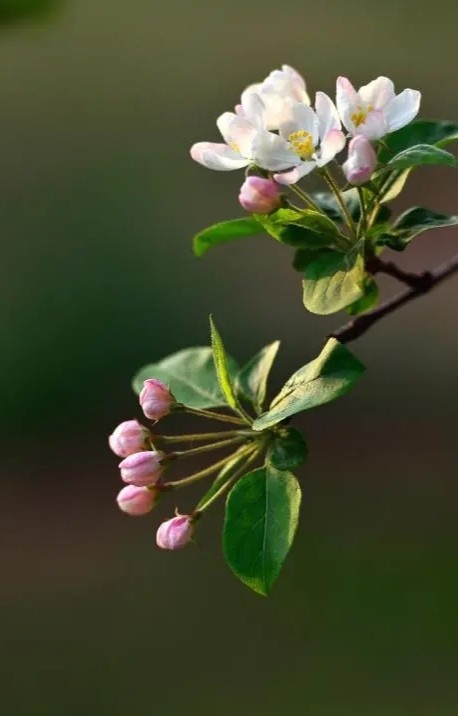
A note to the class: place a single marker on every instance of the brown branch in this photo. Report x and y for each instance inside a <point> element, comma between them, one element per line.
<point>418,285</point>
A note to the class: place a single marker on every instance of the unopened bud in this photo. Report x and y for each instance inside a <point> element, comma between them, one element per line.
<point>156,399</point>
<point>175,533</point>
<point>259,196</point>
<point>361,161</point>
<point>136,501</point>
<point>129,437</point>
<point>142,468</point>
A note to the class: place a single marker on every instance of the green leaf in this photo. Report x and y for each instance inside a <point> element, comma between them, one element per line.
<point>222,367</point>
<point>229,469</point>
<point>391,186</point>
<point>368,300</point>
<point>191,376</point>
<point>252,379</point>
<point>308,228</point>
<point>413,222</point>
<point>262,513</point>
<point>303,257</point>
<point>288,450</point>
<point>417,156</point>
<point>419,132</point>
<point>327,377</point>
<point>224,232</point>
<point>332,281</point>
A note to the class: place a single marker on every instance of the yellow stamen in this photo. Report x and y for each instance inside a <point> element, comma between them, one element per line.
<point>359,117</point>
<point>302,143</point>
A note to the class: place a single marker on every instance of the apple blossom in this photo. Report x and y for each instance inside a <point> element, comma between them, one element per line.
<point>375,110</point>
<point>175,533</point>
<point>156,399</point>
<point>361,161</point>
<point>129,437</point>
<point>142,468</point>
<point>259,195</point>
<point>280,86</point>
<point>137,501</point>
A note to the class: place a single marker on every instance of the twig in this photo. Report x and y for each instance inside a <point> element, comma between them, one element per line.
<point>424,283</point>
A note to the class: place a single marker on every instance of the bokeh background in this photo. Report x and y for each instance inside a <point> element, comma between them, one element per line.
<point>99,103</point>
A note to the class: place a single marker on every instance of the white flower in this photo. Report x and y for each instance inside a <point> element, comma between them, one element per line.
<point>375,110</point>
<point>239,132</point>
<point>307,139</point>
<point>280,86</point>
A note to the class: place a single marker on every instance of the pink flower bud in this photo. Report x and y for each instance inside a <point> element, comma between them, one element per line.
<point>361,161</point>
<point>259,196</point>
<point>129,437</point>
<point>136,501</point>
<point>175,533</point>
<point>142,468</point>
<point>156,399</point>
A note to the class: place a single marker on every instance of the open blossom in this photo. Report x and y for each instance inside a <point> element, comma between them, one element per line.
<point>308,139</point>
<point>137,501</point>
<point>129,437</point>
<point>280,86</point>
<point>375,109</point>
<point>175,533</point>
<point>156,399</point>
<point>239,132</point>
<point>142,468</point>
<point>259,195</point>
<point>361,161</point>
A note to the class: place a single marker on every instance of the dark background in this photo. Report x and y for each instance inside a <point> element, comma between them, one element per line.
<point>99,103</point>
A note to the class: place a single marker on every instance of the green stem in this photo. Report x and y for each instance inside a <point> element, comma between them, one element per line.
<point>305,197</point>
<point>338,195</point>
<point>205,448</point>
<point>199,436</point>
<point>250,458</point>
<point>195,477</point>
<point>213,416</point>
<point>363,226</point>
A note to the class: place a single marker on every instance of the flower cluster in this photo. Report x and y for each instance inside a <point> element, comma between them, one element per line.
<point>276,131</point>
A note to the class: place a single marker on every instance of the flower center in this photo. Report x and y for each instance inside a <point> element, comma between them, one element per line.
<point>302,143</point>
<point>234,147</point>
<point>359,117</point>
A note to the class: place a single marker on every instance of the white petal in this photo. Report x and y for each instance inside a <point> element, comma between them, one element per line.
<point>271,152</point>
<point>253,108</point>
<point>403,109</point>
<point>217,156</point>
<point>299,117</point>
<point>297,84</point>
<point>223,123</point>
<point>237,132</point>
<point>378,93</point>
<point>332,144</point>
<point>374,127</point>
<point>347,101</point>
<point>294,175</point>
<point>327,114</point>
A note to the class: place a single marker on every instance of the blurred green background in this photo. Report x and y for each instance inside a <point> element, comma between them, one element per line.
<point>100,102</point>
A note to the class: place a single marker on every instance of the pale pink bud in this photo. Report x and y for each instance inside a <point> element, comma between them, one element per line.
<point>361,161</point>
<point>259,196</point>
<point>175,533</point>
<point>136,501</point>
<point>142,468</point>
<point>129,437</point>
<point>156,399</point>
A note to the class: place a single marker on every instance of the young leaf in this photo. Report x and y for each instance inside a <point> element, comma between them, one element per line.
<point>191,376</point>
<point>327,377</point>
<point>262,512</point>
<point>288,450</point>
<point>303,257</point>
<point>252,379</point>
<point>368,300</point>
<point>222,367</point>
<point>332,281</point>
<point>418,132</point>
<point>391,185</point>
<point>308,228</point>
<point>419,155</point>
<point>225,231</point>
<point>413,222</point>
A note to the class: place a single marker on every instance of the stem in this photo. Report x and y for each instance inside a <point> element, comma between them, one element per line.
<point>337,193</point>
<point>426,282</point>
<point>363,221</point>
<point>250,458</point>
<point>305,197</point>
<point>413,280</point>
<point>195,477</point>
<point>199,436</point>
<point>213,416</point>
<point>205,448</point>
